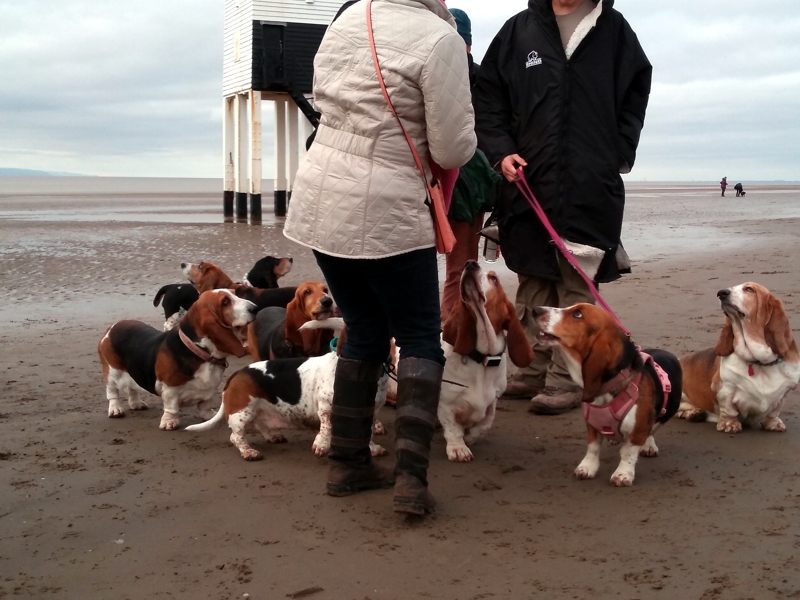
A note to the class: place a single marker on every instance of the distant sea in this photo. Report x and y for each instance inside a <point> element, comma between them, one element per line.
<point>143,199</point>
<point>186,200</point>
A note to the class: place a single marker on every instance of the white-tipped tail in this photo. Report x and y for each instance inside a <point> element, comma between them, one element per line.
<point>335,323</point>
<point>211,423</point>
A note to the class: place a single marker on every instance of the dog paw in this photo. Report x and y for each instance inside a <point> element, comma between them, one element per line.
<point>137,405</point>
<point>169,424</point>
<point>773,425</point>
<point>116,413</point>
<point>319,450</point>
<point>584,472</point>
<point>459,453</point>
<point>692,415</point>
<point>252,455</point>
<point>622,479</point>
<point>377,450</point>
<point>378,428</point>
<point>729,426</point>
<point>650,450</point>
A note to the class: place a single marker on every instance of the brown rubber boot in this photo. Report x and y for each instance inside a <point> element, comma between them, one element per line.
<point>351,468</point>
<point>418,384</point>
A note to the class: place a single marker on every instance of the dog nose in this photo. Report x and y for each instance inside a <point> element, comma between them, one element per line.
<point>326,302</point>
<point>538,311</point>
<point>252,309</point>
<point>723,294</point>
<point>471,265</point>
<point>183,265</point>
<point>291,260</point>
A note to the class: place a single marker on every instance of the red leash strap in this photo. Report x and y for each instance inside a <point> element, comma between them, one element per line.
<point>523,186</point>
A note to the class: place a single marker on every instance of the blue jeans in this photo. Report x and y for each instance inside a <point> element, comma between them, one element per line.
<point>384,298</point>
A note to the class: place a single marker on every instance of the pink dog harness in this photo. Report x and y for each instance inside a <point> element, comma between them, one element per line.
<point>607,419</point>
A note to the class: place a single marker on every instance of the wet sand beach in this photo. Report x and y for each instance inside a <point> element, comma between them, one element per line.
<point>92,507</point>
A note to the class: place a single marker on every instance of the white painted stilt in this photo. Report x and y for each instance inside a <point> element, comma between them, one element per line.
<point>254,112</point>
<point>227,156</point>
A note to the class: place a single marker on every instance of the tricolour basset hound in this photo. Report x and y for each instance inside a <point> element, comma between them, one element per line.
<point>266,272</point>
<point>747,375</point>
<point>281,394</point>
<point>481,330</point>
<point>183,365</point>
<point>208,276</point>
<point>177,299</point>
<point>627,393</point>
<point>276,333</point>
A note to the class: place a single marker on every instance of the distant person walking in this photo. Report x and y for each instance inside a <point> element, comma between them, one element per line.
<point>723,184</point>
<point>739,190</point>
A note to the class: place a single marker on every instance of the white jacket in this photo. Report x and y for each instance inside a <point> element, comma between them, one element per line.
<point>358,192</point>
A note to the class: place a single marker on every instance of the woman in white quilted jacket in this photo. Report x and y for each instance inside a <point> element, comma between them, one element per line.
<point>359,203</point>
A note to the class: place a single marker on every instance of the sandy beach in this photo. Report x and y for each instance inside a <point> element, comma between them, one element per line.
<point>92,507</point>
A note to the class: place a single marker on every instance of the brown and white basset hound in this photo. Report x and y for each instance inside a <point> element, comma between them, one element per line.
<point>183,365</point>
<point>481,330</point>
<point>627,393</point>
<point>276,333</point>
<point>208,276</point>
<point>746,376</point>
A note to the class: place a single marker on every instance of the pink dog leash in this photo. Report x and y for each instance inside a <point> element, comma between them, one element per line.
<point>523,186</point>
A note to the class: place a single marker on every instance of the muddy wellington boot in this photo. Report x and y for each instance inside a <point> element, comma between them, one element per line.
<point>418,384</point>
<point>351,468</point>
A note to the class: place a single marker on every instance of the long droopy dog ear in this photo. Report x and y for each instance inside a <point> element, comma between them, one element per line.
<point>778,331</point>
<point>519,349</point>
<point>724,345</point>
<point>213,325</point>
<point>460,330</point>
<point>595,365</point>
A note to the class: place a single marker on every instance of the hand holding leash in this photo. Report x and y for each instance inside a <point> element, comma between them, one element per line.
<point>510,164</point>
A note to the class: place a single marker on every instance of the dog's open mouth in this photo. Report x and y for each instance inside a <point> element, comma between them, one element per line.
<point>546,338</point>
<point>323,314</point>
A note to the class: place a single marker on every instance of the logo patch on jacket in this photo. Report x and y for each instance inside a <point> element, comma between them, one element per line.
<point>533,59</point>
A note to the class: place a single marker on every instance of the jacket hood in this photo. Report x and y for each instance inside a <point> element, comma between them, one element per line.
<point>437,7</point>
<point>545,5</point>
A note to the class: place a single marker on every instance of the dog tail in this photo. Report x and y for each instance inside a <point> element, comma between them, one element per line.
<point>211,423</point>
<point>160,295</point>
<point>334,323</point>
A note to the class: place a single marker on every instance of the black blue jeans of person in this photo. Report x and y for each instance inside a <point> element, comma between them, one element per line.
<point>384,298</point>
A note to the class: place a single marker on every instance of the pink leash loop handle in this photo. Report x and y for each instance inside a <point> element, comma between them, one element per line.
<point>527,193</point>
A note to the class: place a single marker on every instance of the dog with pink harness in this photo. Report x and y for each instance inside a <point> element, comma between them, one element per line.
<point>627,393</point>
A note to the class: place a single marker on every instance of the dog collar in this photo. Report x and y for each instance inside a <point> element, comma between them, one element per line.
<point>751,372</point>
<point>201,352</point>
<point>487,360</point>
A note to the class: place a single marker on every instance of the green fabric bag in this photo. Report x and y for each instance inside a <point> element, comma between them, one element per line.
<point>474,191</point>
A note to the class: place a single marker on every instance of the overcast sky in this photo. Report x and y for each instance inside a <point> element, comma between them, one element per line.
<point>107,87</point>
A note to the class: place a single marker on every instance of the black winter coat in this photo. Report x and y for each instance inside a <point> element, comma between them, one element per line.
<point>576,122</point>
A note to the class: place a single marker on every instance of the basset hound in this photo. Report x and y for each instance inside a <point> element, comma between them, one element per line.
<point>208,276</point>
<point>481,330</point>
<point>177,299</point>
<point>284,393</point>
<point>627,393</point>
<point>266,272</point>
<point>183,365</point>
<point>746,376</point>
<point>276,333</point>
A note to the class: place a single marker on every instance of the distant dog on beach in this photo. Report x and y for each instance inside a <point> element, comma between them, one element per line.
<point>746,376</point>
